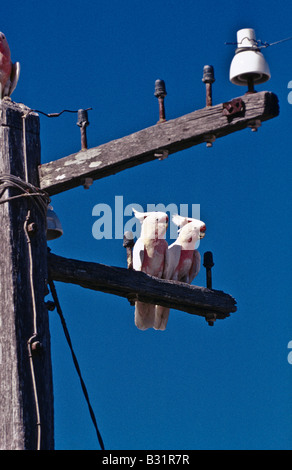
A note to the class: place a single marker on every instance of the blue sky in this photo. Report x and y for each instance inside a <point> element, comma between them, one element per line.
<point>192,386</point>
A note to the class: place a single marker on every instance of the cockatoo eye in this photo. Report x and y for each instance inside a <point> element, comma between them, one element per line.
<point>202,231</point>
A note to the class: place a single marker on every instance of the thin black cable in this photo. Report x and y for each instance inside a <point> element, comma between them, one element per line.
<point>52,115</point>
<point>265,44</point>
<point>258,43</point>
<point>66,332</point>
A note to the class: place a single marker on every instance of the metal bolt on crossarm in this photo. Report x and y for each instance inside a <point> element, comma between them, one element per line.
<point>82,122</point>
<point>128,243</point>
<point>208,263</point>
<point>208,79</point>
<point>160,93</point>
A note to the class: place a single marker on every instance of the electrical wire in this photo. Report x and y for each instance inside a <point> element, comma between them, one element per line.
<point>66,332</point>
<point>258,43</point>
<point>35,332</point>
<point>265,44</point>
<point>41,203</point>
<point>52,115</point>
<point>27,190</point>
<point>40,199</point>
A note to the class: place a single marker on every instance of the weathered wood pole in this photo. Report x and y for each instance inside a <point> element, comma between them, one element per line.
<point>26,391</point>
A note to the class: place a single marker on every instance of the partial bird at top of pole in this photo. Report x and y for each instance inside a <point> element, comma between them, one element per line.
<point>9,72</point>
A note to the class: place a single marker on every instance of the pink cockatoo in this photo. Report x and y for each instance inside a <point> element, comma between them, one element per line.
<point>9,72</point>
<point>149,256</point>
<point>183,260</point>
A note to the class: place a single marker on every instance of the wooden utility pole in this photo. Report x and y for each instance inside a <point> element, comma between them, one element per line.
<point>26,392</point>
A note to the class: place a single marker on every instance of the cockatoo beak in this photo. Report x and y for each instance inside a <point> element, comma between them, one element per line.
<point>202,231</point>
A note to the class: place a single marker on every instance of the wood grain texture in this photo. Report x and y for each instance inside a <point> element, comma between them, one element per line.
<point>18,423</point>
<point>147,144</point>
<point>135,285</point>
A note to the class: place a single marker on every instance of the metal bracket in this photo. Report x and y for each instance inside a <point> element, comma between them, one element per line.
<point>232,107</point>
<point>255,124</point>
<point>209,139</point>
<point>161,154</point>
<point>87,182</point>
<point>210,318</point>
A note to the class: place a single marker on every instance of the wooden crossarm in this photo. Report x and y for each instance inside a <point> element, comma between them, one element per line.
<point>135,285</point>
<point>157,141</point>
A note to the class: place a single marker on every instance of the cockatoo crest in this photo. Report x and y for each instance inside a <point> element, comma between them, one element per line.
<point>181,221</point>
<point>154,224</point>
<point>140,215</point>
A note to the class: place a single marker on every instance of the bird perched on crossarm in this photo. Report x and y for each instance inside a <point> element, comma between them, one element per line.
<point>149,256</point>
<point>183,260</point>
<point>9,72</point>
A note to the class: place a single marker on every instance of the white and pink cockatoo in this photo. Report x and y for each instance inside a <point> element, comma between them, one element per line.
<point>149,256</point>
<point>9,72</point>
<point>183,260</point>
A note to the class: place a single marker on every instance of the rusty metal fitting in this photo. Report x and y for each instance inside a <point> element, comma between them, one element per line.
<point>255,124</point>
<point>208,79</point>
<point>128,243</point>
<point>209,139</point>
<point>160,90</point>
<point>210,318</point>
<point>82,118</point>
<point>208,74</point>
<point>87,182</point>
<point>160,93</point>
<point>82,122</point>
<point>128,240</point>
<point>161,154</point>
<point>36,347</point>
<point>32,229</point>
<point>232,107</point>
